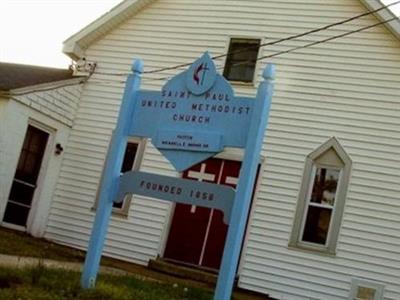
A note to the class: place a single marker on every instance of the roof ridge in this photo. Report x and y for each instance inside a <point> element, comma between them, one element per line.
<point>75,45</point>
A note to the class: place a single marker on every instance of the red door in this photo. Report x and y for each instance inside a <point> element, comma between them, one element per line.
<point>197,234</point>
<point>215,241</point>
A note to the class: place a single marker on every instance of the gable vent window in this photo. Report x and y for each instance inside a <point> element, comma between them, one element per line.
<point>321,199</point>
<point>365,290</point>
<point>241,60</point>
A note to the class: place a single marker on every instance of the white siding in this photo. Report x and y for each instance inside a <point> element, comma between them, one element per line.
<point>348,88</point>
<point>59,104</point>
<point>14,120</point>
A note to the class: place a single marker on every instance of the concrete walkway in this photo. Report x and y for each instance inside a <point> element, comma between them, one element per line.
<point>24,262</point>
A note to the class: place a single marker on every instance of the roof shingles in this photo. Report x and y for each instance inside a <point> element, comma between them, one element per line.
<point>14,76</point>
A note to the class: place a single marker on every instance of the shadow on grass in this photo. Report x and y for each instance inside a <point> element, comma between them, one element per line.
<point>39,284</point>
<point>63,285</point>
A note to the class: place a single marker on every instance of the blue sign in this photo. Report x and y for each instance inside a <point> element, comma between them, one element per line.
<point>198,101</point>
<point>193,117</point>
<point>178,190</point>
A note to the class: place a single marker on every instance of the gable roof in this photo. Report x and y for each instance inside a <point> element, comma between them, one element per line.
<point>14,76</point>
<point>384,14</point>
<point>75,45</point>
<point>334,144</point>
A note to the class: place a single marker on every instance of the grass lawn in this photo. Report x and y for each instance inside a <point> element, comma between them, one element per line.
<point>39,283</point>
<point>21,244</point>
<point>55,284</point>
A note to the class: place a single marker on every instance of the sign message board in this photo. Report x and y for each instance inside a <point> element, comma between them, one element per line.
<point>177,190</point>
<point>194,117</point>
<point>181,140</point>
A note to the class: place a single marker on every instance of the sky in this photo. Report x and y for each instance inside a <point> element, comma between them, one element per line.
<point>32,31</point>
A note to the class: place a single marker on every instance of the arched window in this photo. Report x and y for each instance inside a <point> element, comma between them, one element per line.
<point>321,198</point>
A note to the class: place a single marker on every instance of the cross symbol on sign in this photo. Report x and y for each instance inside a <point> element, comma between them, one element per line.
<point>205,69</point>
<point>232,180</point>
<point>200,176</point>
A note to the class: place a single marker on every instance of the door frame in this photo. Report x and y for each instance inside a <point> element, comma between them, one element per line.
<point>233,154</point>
<point>42,174</point>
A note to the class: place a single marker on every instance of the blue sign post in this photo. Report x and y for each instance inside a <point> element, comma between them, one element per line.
<point>192,118</point>
<point>245,185</point>
<point>110,179</point>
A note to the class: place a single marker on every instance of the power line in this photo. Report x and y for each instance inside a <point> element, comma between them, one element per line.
<point>322,41</point>
<point>105,82</point>
<point>326,27</point>
<point>283,39</point>
<point>308,32</point>
<point>302,47</point>
<point>292,49</point>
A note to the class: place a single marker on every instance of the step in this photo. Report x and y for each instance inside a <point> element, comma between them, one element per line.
<point>200,275</point>
<point>183,271</point>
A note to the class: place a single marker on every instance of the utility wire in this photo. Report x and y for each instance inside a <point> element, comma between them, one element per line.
<point>105,82</point>
<point>308,32</point>
<point>283,39</point>
<point>299,47</point>
<point>318,42</point>
<point>266,44</point>
<point>289,50</point>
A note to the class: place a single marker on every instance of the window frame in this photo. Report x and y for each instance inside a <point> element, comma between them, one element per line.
<point>303,203</point>
<point>256,66</point>
<point>308,203</point>
<point>356,283</point>
<point>123,211</point>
